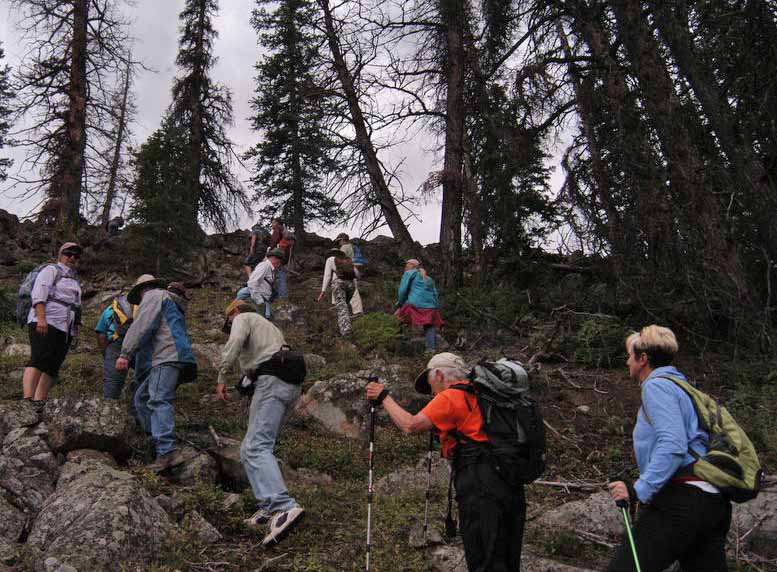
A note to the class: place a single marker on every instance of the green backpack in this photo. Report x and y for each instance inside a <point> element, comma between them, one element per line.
<point>731,464</point>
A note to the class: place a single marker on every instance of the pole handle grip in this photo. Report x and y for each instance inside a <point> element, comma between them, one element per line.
<point>622,503</point>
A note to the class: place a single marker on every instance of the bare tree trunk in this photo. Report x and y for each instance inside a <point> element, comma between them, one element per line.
<point>474,209</point>
<point>195,108</point>
<point>110,193</point>
<point>382,193</point>
<point>583,93</point>
<point>453,15</point>
<point>67,182</point>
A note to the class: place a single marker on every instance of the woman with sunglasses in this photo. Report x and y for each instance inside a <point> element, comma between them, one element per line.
<point>53,321</point>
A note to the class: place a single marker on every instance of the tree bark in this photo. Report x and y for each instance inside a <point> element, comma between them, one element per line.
<point>452,14</point>
<point>195,108</point>
<point>383,195</point>
<point>110,193</point>
<point>66,185</point>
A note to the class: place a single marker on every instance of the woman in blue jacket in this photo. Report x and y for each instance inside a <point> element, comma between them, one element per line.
<point>418,303</point>
<point>681,517</point>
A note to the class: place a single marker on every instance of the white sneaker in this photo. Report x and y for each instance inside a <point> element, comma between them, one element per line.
<point>281,524</point>
<point>261,516</point>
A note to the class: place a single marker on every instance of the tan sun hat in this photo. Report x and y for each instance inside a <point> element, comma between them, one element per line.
<point>242,305</point>
<point>143,282</point>
<point>444,359</point>
<point>70,246</point>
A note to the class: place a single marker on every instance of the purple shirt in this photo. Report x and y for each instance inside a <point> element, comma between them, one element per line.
<point>57,299</point>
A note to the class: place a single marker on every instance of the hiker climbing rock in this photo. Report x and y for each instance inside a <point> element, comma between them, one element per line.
<point>253,341</point>
<point>417,302</point>
<point>113,324</point>
<point>159,326</point>
<point>681,516</point>
<point>284,240</point>
<point>258,242</point>
<point>262,285</point>
<point>353,252</point>
<point>50,298</point>
<point>492,510</point>
<point>340,275</point>
<point>114,225</point>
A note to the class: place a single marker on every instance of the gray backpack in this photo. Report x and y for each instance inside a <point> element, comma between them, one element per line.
<point>24,297</point>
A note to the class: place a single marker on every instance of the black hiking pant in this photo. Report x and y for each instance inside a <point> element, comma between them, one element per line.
<point>492,516</point>
<point>683,523</point>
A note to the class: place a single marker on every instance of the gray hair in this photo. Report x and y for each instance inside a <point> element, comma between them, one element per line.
<point>450,373</point>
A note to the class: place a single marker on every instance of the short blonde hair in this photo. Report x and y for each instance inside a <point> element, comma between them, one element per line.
<point>658,342</point>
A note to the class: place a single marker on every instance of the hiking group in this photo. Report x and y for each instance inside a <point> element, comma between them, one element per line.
<point>488,427</point>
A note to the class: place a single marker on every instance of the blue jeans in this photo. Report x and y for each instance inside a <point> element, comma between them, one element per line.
<point>430,335</point>
<point>245,294</point>
<point>154,404</point>
<point>283,282</point>
<point>271,403</point>
<point>113,379</point>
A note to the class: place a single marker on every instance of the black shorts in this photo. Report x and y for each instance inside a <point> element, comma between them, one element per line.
<point>48,351</point>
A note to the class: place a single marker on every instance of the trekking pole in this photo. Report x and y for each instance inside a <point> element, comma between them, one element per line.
<point>428,484</point>
<point>624,506</point>
<point>369,485</point>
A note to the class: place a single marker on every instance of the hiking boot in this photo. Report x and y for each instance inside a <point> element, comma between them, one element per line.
<point>261,516</point>
<point>164,462</point>
<point>281,524</point>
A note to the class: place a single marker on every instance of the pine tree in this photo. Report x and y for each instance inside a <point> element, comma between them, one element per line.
<point>204,109</point>
<point>5,114</point>
<point>161,194</point>
<point>295,157</point>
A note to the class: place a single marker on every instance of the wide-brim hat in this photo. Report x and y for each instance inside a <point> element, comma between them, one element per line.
<point>242,305</point>
<point>144,282</point>
<point>278,253</point>
<point>444,359</point>
<point>342,236</point>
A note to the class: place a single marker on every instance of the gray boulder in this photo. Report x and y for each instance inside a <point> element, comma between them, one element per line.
<point>15,414</point>
<point>28,468</point>
<point>339,404</point>
<point>755,522</point>
<point>414,478</point>
<point>206,532</point>
<point>227,458</point>
<point>85,455</point>
<point>99,519</point>
<point>314,363</point>
<point>12,524</point>
<point>596,515</point>
<point>22,350</point>
<point>197,467</point>
<point>88,423</point>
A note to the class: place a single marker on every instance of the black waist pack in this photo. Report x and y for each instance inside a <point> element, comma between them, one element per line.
<point>285,364</point>
<point>187,373</point>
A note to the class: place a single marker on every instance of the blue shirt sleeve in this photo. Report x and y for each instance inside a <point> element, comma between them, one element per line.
<point>105,323</point>
<point>661,403</point>
<point>404,286</point>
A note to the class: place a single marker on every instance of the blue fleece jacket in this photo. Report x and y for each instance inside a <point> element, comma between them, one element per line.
<point>413,289</point>
<point>667,426</point>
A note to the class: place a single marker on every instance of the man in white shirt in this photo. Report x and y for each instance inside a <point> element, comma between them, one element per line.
<point>261,285</point>
<point>252,341</point>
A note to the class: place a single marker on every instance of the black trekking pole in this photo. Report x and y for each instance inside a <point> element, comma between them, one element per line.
<point>369,485</point>
<point>428,484</point>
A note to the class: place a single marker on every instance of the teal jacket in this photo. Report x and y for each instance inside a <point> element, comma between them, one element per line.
<point>413,289</point>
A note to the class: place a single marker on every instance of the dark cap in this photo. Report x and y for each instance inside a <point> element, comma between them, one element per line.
<point>342,236</point>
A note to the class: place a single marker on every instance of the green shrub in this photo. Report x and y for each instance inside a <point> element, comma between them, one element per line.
<point>599,341</point>
<point>377,331</point>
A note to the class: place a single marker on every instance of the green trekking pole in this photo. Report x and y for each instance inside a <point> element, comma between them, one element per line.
<point>624,506</point>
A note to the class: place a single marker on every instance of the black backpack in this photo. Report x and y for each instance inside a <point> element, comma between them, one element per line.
<point>511,420</point>
<point>285,364</point>
<point>344,268</point>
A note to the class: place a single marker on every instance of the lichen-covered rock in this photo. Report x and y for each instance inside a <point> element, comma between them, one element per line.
<point>99,520</point>
<point>227,458</point>
<point>314,363</point>
<point>28,468</point>
<point>173,506</point>
<point>339,404</point>
<point>197,467</point>
<point>205,531</point>
<point>15,414</point>
<point>22,350</point>
<point>88,423</point>
<point>12,523</point>
<point>758,520</point>
<point>82,455</point>
<point>596,514</point>
<point>415,478</point>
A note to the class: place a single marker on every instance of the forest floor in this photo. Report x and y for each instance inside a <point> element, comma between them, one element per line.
<point>590,409</point>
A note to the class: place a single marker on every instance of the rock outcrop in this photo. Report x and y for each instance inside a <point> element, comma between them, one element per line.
<point>99,519</point>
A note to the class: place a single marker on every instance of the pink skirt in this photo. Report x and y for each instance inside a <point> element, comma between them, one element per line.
<point>414,316</point>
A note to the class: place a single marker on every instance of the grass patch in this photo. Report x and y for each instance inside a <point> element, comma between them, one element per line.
<point>377,332</point>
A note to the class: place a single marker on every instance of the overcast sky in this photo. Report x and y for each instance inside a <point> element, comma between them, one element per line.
<point>155,27</point>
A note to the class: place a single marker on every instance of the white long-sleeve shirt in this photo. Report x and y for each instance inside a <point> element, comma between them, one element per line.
<point>252,341</point>
<point>58,300</point>
<point>261,281</point>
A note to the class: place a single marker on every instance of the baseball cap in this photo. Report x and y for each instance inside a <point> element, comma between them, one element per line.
<point>444,359</point>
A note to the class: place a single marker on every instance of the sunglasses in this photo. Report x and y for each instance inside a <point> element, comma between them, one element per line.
<point>72,254</point>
